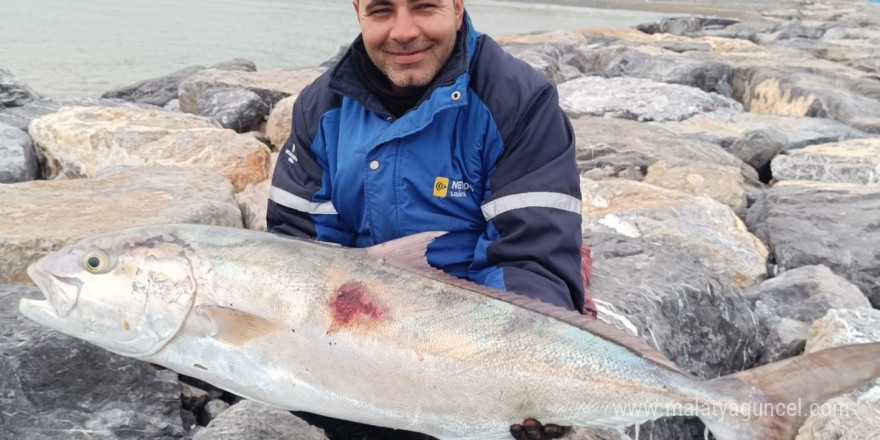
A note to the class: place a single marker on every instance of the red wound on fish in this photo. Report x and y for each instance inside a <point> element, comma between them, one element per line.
<point>351,301</point>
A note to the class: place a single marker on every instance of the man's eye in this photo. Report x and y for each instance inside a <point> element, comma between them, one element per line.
<point>380,12</point>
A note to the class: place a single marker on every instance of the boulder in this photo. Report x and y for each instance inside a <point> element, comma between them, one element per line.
<point>699,226</point>
<point>855,416</point>
<point>162,90</point>
<point>213,409</point>
<point>18,162</point>
<point>53,386</point>
<point>237,109</point>
<point>253,201</point>
<point>80,141</point>
<point>787,305</point>
<point>757,147</point>
<point>685,25</point>
<point>21,117</point>
<point>280,122</point>
<point>13,92</point>
<point>853,161</point>
<point>39,217</point>
<point>726,129</point>
<point>833,224</point>
<point>272,85</point>
<point>249,419</point>
<point>722,183</point>
<point>618,148</point>
<point>638,99</point>
<point>559,61</point>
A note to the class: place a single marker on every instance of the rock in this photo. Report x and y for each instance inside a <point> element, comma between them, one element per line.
<point>280,122</point>
<point>191,397</point>
<point>855,416</point>
<point>559,61</point>
<point>638,99</point>
<point>853,161</point>
<point>13,92</point>
<point>80,141</point>
<point>21,117</point>
<point>253,201</point>
<point>722,183</point>
<point>788,304</point>
<point>18,162</point>
<point>249,419</point>
<point>162,90</point>
<point>272,86</point>
<point>853,101</point>
<point>42,216</point>
<point>685,25</point>
<point>618,148</point>
<point>726,129</point>
<point>759,146</point>
<point>833,224</point>
<point>238,109</point>
<point>701,227</point>
<point>53,386</point>
<point>212,410</point>
<point>704,74</point>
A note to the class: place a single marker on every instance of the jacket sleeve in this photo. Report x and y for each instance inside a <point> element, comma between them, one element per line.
<point>300,196</point>
<point>534,210</point>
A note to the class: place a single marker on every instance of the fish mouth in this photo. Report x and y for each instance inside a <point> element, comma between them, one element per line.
<point>61,293</point>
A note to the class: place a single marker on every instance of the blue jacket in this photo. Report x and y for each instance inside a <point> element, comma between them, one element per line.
<point>487,154</point>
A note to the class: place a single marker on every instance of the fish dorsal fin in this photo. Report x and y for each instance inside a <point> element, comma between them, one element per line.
<point>234,326</point>
<point>408,253</point>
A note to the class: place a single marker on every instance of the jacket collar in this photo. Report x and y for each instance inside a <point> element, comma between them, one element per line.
<point>344,78</point>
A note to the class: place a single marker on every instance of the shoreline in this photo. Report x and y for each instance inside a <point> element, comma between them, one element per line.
<point>674,7</point>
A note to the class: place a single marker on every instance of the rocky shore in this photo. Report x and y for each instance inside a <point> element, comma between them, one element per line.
<point>731,188</point>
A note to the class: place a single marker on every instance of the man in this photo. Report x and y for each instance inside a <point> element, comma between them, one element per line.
<point>425,124</point>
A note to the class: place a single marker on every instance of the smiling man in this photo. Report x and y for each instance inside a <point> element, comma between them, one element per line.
<point>425,124</point>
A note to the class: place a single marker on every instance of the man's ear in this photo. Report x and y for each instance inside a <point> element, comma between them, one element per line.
<point>357,8</point>
<point>459,13</point>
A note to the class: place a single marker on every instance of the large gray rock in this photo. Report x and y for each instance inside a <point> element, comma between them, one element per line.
<point>787,305</point>
<point>707,230</point>
<point>638,99</point>
<point>855,416</point>
<point>618,148</point>
<point>251,420</point>
<point>41,216</point>
<point>686,25</point>
<point>704,74</point>
<point>237,109</point>
<point>13,92</point>
<point>759,146</point>
<point>854,161</point>
<point>162,90</point>
<point>833,224</point>
<point>726,129</point>
<point>722,183</point>
<point>18,162</point>
<point>53,386</point>
<point>559,61</point>
<point>21,117</point>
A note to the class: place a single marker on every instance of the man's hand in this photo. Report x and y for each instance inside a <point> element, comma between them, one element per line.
<point>531,429</point>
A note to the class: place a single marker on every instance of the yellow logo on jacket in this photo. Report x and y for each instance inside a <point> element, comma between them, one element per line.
<point>441,185</point>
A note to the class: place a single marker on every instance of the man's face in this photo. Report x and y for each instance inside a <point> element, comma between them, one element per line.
<point>409,40</point>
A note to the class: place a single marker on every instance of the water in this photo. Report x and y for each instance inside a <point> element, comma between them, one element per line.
<point>82,48</point>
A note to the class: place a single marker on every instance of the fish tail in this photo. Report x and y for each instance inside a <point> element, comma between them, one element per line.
<point>775,399</point>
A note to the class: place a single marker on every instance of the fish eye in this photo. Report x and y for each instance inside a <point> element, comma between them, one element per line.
<point>96,261</point>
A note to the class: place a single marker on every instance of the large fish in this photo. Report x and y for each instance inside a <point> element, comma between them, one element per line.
<point>379,337</point>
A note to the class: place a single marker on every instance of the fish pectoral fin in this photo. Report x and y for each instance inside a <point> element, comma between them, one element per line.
<point>234,326</point>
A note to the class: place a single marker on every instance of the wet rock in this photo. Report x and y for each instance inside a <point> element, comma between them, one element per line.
<point>700,226</point>
<point>853,161</point>
<point>53,386</point>
<point>618,148</point>
<point>854,416</point>
<point>18,162</point>
<point>724,184</point>
<point>271,86</point>
<point>704,74</point>
<point>80,141</point>
<point>162,90</point>
<point>725,129</point>
<point>787,305</point>
<point>237,109</point>
<point>853,101</point>
<point>13,92</point>
<point>249,419</point>
<point>757,147</point>
<point>39,217</point>
<point>638,99</point>
<point>280,122</point>
<point>809,223</point>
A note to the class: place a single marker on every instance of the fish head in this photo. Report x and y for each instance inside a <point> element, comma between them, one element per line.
<point>125,291</point>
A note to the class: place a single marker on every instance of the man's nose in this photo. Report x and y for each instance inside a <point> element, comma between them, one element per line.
<point>404,27</point>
